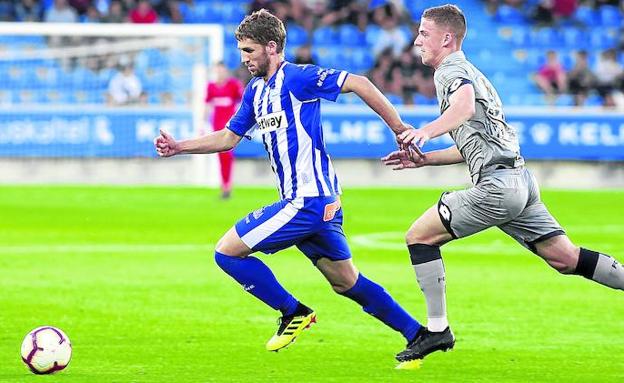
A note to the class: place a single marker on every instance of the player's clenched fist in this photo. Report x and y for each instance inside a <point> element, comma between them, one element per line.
<point>166,145</point>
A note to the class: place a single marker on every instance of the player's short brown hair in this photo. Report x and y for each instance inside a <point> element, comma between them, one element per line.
<point>449,16</point>
<point>262,27</point>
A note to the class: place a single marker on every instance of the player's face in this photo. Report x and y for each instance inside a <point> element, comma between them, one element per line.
<point>254,56</point>
<point>430,41</point>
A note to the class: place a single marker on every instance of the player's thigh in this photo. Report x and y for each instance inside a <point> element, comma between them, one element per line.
<point>275,227</point>
<point>428,229</point>
<point>496,200</point>
<point>469,211</point>
<point>328,242</point>
<point>329,251</point>
<point>232,245</point>
<point>533,226</point>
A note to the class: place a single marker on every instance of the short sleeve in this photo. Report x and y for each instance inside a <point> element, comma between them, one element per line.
<point>449,79</point>
<point>244,118</point>
<point>309,82</point>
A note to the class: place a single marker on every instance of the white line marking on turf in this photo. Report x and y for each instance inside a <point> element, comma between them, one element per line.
<point>103,248</point>
<point>394,241</point>
<point>391,240</point>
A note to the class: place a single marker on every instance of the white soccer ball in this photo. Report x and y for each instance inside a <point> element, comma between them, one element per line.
<point>46,350</point>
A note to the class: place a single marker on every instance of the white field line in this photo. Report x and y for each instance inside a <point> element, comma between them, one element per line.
<point>103,248</point>
<point>392,241</point>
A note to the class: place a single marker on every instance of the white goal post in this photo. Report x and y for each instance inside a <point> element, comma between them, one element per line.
<point>56,105</point>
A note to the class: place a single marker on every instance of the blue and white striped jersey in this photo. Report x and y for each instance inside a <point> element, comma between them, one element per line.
<point>286,112</point>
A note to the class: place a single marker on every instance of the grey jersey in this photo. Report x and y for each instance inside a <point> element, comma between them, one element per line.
<point>485,141</point>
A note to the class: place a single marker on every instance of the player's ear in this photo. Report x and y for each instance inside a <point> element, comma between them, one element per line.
<point>271,47</point>
<point>448,37</point>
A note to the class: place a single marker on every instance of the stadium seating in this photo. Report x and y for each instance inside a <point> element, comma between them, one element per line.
<point>350,35</point>
<point>297,35</point>
<point>505,46</point>
<point>510,15</point>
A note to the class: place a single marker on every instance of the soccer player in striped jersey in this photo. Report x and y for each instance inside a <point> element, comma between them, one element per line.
<point>282,102</point>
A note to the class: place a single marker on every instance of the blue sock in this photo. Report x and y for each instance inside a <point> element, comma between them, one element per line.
<point>257,279</point>
<point>377,302</point>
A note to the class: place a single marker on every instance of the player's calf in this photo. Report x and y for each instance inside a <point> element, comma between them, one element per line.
<point>566,258</point>
<point>376,301</point>
<point>600,268</point>
<point>430,274</point>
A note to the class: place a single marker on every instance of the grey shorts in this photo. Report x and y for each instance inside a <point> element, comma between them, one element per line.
<point>507,198</point>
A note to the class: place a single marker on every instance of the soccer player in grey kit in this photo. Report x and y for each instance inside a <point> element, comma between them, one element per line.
<point>504,193</point>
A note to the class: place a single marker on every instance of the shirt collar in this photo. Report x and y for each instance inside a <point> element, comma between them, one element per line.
<point>454,56</point>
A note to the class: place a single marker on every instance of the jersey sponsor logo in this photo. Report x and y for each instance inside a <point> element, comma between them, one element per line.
<point>323,73</point>
<point>271,122</point>
<point>445,215</point>
<point>330,210</point>
<point>258,213</point>
<point>445,212</point>
<point>457,83</point>
<point>255,215</point>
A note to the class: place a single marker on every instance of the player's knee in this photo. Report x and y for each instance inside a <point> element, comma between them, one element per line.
<point>571,260</point>
<point>225,247</point>
<point>220,259</point>
<point>561,267</point>
<point>221,245</point>
<point>343,283</point>
<point>340,288</point>
<point>416,236</point>
<point>224,261</point>
<point>564,263</point>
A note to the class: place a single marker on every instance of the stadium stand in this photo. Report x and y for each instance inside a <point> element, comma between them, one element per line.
<point>504,41</point>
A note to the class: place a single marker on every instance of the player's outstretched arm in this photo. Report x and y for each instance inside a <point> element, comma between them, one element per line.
<point>373,97</point>
<point>220,141</point>
<point>448,156</point>
<point>403,159</point>
<point>461,108</point>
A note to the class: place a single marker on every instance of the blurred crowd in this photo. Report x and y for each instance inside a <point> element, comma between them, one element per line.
<point>600,73</point>
<point>607,80</point>
<point>91,11</point>
<point>397,69</point>
<point>312,14</point>
<point>550,12</point>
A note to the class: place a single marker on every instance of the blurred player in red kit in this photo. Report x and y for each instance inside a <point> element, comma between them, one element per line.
<point>222,97</point>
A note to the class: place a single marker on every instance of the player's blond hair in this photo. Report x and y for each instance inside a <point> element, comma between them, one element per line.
<point>449,16</point>
<point>262,27</point>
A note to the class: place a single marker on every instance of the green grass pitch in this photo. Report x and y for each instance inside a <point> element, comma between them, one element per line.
<point>128,274</point>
